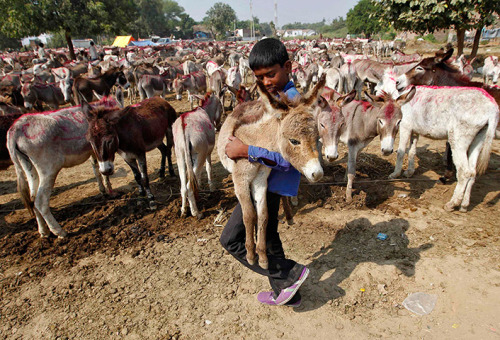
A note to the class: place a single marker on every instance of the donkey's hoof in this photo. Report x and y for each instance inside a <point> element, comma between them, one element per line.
<point>199,215</point>
<point>290,221</point>
<point>408,174</point>
<point>264,264</point>
<point>251,260</point>
<point>62,234</point>
<point>348,199</point>
<point>152,205</point>
<point>294,200</point>
<point>463,209</point>
<point>171,173</point>
<point>449,207</point>
<point>393,176</point>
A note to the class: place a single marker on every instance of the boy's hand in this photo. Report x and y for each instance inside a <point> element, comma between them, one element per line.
<point>236,148</point>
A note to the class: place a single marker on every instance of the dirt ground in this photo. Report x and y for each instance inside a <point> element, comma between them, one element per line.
<point>126,272</point>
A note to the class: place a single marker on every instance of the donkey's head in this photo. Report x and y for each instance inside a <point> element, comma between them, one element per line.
<point>178,87</point>
<point>428,71</point>
<point>297,132</point>
<point>331,123</point>
<point>212,106</point>
<point>389,117</point>
<point>29,95</point>
<point>102,134</point>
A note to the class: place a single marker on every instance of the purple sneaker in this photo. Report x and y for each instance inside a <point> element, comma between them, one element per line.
<point>288,293</point>
<point>268,299</point>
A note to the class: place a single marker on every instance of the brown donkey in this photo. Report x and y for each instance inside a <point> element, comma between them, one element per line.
<point>280,126</point>
<point>100,85</point>
<point>132,132</point>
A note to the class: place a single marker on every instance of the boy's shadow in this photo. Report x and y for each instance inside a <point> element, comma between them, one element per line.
<point>353,245</point>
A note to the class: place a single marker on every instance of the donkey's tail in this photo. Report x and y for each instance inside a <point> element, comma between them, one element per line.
<point>193,183</point>
<point>22,164</point>
<point>484,156</point>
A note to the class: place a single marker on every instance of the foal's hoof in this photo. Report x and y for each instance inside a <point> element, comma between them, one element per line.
<point>264,264</point>
<point>251,260</point>
<point>152,205</point>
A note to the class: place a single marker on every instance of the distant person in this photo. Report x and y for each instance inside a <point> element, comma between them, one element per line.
<point>41,51</point>
<point>93,52</point>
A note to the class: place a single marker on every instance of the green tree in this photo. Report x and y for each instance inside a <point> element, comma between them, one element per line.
<point>150,19</point>
<point>363,19</point>
<point>427,16</point>
<point>220,18</point>
<point>84,17</point>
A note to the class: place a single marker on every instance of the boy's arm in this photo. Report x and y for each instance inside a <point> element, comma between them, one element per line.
<point>237,149</point>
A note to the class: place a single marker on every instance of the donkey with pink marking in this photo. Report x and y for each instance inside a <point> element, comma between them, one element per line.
<point>357,123</point>
<point>193,83</point>
<point>466,117</point>
<point>40,145</point>
<point>194,139</point>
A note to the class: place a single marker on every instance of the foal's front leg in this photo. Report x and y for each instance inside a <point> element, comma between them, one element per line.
<point>411,155</point>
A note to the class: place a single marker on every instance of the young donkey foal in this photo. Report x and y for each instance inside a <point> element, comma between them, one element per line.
<point>40,145</point>
<point>194,139</point>
<point>132,132</point>
<point>280,126</point>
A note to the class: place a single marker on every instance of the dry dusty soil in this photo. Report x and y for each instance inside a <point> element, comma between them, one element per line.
<point>126,272</point>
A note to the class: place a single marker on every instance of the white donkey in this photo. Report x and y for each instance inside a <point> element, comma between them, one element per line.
<point>194,139</point>
<point>287,128</point>
<point>40,145</point>
<point>466,117</point>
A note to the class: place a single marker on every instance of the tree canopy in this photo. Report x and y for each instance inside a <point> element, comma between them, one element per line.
<point>363,18</point>
<point>220,18</point>
<point>430,15</point>
<point>76,18</point>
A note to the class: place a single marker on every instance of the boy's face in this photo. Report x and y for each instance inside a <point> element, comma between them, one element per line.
<point>275,77</point>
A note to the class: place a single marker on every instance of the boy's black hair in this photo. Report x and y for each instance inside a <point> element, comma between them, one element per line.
<point>266,53</point>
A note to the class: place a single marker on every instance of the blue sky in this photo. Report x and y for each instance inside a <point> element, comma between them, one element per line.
<point>289,11</point>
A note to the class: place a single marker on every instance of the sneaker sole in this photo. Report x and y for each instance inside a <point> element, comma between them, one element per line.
<point>298,283</point>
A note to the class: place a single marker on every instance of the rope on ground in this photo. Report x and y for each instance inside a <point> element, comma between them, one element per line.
<point>229,188</point>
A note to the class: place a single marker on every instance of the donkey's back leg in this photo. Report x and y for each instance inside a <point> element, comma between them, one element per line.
<point>170,144</point>
<point>164,154</point>
<point>464,173</point>
<point>259,191</point>
<point>42,204</point>
<point>242,191</point>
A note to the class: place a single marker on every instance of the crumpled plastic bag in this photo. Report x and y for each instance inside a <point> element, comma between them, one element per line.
<point>420,303</point>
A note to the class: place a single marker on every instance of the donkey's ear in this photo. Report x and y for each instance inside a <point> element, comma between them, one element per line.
<point>406,97</point>
<point>344,100</point>
<point>313,95</point>
<point>86,108</point>
<point>114,117</point>
<point>440,58</point>
<point>271,104</point>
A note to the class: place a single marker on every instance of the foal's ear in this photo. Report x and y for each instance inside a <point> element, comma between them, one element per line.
<point>271,104</point>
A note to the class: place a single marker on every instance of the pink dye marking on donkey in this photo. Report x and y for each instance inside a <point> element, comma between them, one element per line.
<point>467,119</point>
<point>194,139</point>
<point>40,145</point>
